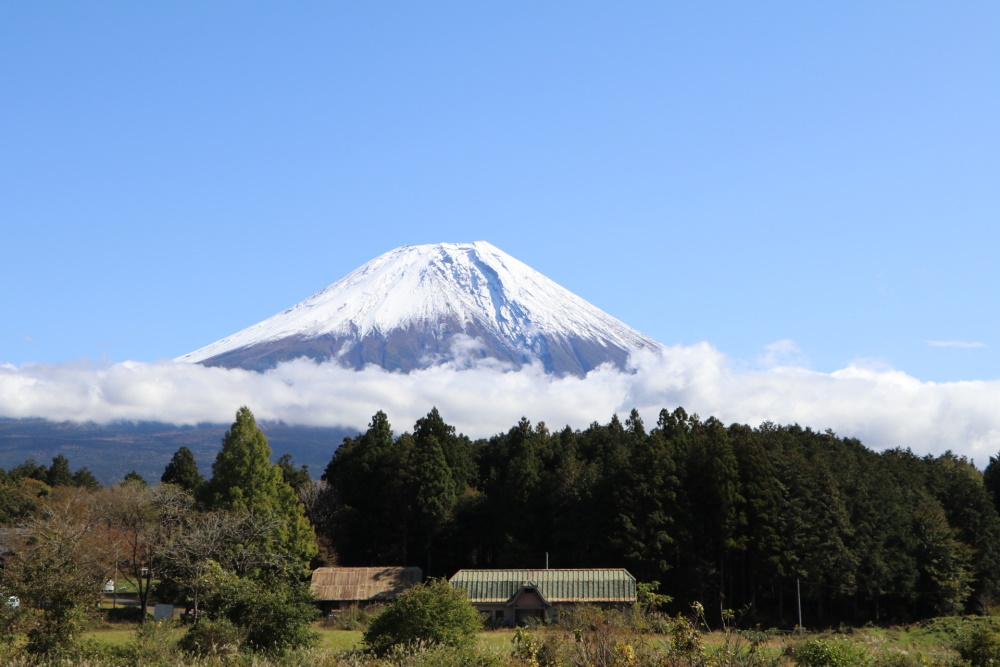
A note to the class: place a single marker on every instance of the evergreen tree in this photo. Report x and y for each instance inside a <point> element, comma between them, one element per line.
<point>370,481</point>
<point>245,481</point>
<point>30,470</point>
<point>991,480</point>
<point>945,562</point>
<point>297,478</point>
<point>435,493</point>
<point>961,491</point>
<point>132,477</point>
<point>760,518</point>
<point>59,474</point>
<point>646,499</point>
<point>85,479</point>
<point>457,449</point>
<point>182,470</point>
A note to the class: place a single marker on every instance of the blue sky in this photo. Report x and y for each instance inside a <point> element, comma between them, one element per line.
<point>819,181</point>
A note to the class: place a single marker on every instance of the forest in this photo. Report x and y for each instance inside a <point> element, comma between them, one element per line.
<point>785,525</point>
<point>767,520</point>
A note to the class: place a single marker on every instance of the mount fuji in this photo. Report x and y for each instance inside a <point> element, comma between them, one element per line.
<point>419,306</point>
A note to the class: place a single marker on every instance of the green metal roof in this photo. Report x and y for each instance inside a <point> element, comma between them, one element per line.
<point>567,585</point>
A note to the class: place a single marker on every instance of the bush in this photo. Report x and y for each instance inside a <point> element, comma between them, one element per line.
<point>208,637</point>
<point>891,657</point>
<point>274,614</point>
<point>831,653</point>
<point>432,613</point>
<point>979,646</point>
<point>530,650</point>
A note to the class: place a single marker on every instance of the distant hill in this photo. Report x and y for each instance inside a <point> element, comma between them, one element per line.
<point>110,451</point>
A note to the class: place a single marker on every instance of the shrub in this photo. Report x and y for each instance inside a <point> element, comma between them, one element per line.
<point>979,646</point>
<point>211,637</point>
<point>530,649</point>
<point>831,653</point>
<point>892,657</point>
<point>432,613</point>
<point>274,615</point>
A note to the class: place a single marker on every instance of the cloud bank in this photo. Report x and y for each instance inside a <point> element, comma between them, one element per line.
<point>882,407</point>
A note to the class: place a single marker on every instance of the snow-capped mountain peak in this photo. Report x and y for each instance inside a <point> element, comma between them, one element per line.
<point>416,305</point>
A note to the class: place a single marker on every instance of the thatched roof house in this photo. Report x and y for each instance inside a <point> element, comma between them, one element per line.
<point>339,587</point>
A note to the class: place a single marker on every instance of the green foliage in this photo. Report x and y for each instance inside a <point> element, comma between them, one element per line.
<point>11,623</point>
<point>20,496</point>
<point>182,470</point>
<point>946,561</point>
<point>57,570</point>
<point>212,637</point>
<point>831,653</point>
<point>648,599</point>
<point>421,478</point>
<point>153,644</point>
<point>979,645</point>
<point>58,473</point>
<point>29,469</point>
<point>530,649</point>
<point>747,515</point>
<point>297,478</point>
<point>85,479</point>
<point>244,480</point>
<point>274,613</point>
<point>132,477</point>
<point>434,613</point>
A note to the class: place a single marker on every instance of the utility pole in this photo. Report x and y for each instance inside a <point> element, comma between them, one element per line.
<point>798,591</point>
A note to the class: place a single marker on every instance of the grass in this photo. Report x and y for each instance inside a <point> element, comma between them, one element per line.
<point>339,640</point>
<point>334,640</point>
<point>929,642</point>
<point>116,636</point>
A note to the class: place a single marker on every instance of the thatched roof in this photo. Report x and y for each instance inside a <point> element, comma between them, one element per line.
<point>363,583</point>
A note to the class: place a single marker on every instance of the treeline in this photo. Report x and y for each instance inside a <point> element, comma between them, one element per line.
<point>769,518</point>
<point>731,516</point>
<point>234,549</point>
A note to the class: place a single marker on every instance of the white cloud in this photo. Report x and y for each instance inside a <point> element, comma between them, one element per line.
<point>782,353</point>
<point>881,406</point>
<point>954,343</point>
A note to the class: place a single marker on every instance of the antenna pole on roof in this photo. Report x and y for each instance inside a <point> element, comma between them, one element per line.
<point>546,560</point>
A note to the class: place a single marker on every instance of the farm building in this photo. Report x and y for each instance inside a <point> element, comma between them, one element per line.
<point>511,597</point>
<point>337,588</point>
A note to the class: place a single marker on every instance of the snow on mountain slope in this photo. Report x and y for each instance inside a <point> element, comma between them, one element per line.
<point>420,305</point>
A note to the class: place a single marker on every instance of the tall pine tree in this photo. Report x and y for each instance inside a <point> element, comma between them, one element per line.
<point>183,471</point>
<point>245,481</point>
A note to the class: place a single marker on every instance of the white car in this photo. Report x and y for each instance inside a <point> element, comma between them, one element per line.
<point>13,602</point>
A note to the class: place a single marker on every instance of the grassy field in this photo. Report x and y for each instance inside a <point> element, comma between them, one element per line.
<point>932,640</point>
<point>931,643</point>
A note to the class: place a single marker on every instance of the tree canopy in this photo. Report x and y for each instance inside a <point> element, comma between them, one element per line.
<point>245,481</point>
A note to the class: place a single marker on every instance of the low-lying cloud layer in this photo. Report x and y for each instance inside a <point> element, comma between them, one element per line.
<point>883,408</point>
